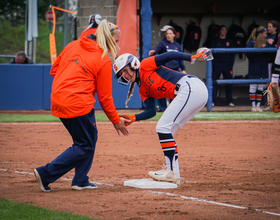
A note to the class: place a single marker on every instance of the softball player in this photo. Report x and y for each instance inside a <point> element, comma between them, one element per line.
<point>155,81</point>
<point>82,69</point>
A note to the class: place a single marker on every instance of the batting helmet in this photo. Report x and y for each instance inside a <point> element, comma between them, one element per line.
<point>124,60</point>
<point>95,19</point>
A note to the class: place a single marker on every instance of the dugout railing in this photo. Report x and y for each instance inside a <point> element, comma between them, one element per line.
<point>209,81</point>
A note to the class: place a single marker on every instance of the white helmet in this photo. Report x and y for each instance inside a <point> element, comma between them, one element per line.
<point>124,60</point>
<point>94,19</point>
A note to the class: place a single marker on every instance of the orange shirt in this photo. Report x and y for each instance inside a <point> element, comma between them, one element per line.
<point>88,31</point>
<point>79,72</point>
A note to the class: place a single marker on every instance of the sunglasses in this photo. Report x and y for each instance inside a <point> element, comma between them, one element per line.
<point>115,28</point>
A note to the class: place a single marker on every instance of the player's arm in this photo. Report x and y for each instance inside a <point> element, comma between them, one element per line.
<point>150,112</point>
<point>163,58</point>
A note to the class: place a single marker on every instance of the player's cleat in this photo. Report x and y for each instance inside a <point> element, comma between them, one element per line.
<point>259,109</point>
<point>43,187</point>
<point>254,109</point>
<point>165,175</point>
<point>231,104</point>
<point>87,186</point>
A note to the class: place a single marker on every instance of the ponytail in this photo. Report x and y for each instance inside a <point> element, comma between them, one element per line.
<point>255,33</point>
<point>105,40</point>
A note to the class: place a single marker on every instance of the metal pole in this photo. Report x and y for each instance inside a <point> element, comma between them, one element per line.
<point>209,85</point>
<point>66,24</point>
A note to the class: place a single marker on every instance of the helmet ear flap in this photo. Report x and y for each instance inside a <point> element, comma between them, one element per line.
<point>135,64</point>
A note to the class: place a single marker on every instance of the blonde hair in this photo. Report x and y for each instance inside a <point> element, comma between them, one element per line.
<point>255,33</point>
<point>129,94</point>
<point>104,38</point>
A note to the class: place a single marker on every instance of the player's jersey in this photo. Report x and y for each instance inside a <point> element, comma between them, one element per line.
<point>157,82</point>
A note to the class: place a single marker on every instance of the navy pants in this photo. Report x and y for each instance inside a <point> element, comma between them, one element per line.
<point>227,74</point>
<point>84,134</point>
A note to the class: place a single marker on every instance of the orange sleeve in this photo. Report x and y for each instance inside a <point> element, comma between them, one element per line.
<point>55,66</point>
<point>104,92</point>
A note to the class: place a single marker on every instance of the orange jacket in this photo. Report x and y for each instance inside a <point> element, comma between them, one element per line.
<point>88,31</point>
<point>79,72</point>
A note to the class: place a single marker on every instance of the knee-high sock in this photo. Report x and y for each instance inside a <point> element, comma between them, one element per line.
<point>169,148</point>
<point>259,97</point>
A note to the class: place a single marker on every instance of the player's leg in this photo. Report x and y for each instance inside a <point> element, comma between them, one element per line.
<point>216,73</point>
<point>191,98</point>
<point>259,93</point>
<point>227,74</point>
<point>253,96</point>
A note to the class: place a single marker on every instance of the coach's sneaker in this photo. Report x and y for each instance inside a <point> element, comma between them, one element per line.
<point>43,187</point>
<point>87,186</point>
<point>165,175</point>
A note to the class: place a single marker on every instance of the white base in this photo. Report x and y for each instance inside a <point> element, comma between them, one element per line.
<point>150,183</point>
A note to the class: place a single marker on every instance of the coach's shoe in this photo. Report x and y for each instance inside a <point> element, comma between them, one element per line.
<point>43,187</point>
<point>165,175</point>
<point>87,186</point>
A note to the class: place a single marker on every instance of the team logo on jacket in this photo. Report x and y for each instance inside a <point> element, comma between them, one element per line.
<point>167,46</point>
<point>227,43</point>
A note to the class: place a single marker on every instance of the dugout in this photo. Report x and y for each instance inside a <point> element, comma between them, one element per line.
<point>152,15</point>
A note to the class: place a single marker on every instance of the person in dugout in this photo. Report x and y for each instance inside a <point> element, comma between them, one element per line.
<point>223,64</point>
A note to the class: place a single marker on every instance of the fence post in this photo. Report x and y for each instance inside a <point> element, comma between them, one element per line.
<point>209,84</point>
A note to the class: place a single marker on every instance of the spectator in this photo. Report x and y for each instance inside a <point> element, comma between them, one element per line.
<point>94,21</point>
<point>21,58</point>
<point>223,64</point>
<point>257,66</point>
<point>166,45</point>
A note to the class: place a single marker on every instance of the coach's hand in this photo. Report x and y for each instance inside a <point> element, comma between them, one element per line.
<point>121,127</point>
<point>131,118</point>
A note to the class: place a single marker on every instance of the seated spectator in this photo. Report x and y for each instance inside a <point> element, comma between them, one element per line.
<point>21,58</point>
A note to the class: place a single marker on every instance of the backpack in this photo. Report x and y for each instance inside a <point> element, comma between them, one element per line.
<point>192,37</point>
<point>251,28</point>
<point>212,33</point>
<point>237,34</point>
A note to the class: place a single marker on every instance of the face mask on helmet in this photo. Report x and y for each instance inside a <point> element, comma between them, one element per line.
<point>123,80</point>
<point>122,61</point>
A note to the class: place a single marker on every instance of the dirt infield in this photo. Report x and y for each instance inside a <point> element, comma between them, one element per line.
<point>230,170</point>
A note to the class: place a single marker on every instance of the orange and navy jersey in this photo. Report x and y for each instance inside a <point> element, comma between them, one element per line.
<point>78,73</point>
<point>88,32</point>
<point>157,81</point>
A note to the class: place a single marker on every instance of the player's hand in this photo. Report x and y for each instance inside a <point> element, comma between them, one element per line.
<point>183,71</point>
<point>151,52</point>
<point>130,118</point>
<point>120,127</point>
<point>203,54</point>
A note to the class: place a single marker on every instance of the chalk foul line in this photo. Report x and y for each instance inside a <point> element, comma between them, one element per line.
<point>168,194</point>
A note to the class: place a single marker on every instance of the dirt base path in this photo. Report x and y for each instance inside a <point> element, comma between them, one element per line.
<point>230,170</point>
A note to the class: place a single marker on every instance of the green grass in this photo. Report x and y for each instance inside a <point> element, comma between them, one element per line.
<point>12,40</point>
<point>15,210</point>
<point>8,118</point>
